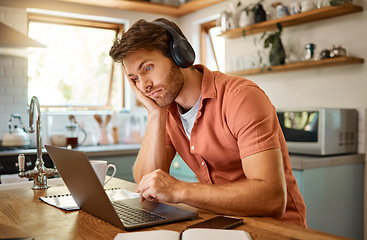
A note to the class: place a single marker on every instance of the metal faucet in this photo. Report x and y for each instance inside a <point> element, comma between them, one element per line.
<point>39,173</point>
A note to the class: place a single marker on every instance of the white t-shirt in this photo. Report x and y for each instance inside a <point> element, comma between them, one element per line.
<point>188,118</point>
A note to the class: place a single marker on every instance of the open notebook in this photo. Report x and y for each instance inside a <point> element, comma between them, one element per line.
<point>67,202</point>
<point>190,234</point>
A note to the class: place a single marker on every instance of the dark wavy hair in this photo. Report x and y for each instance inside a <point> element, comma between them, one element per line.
<point>144,35</point>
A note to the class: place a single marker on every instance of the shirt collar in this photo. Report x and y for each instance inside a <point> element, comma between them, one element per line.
<point>208,89</point>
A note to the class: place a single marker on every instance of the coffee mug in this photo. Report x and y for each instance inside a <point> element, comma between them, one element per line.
<point>307,5</point>
<point>282,11</point>
<point>101,167</point>
<point>295,8</point>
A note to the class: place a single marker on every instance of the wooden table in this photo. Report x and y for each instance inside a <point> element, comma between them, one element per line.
<point>22,214</point>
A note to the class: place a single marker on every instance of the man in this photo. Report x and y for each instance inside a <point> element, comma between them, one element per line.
<point>225,128</point>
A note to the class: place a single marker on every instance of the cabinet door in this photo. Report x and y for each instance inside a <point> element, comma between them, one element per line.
<point>298,175</point>
<point>181,171</point>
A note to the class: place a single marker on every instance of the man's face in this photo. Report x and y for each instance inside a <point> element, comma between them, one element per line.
<point>155,75</point>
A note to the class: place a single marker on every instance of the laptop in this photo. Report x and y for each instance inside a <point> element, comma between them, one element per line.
<point>90,196</point>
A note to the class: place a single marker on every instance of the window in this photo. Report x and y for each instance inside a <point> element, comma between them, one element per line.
<point>212,47</point>
<point>75,70</point>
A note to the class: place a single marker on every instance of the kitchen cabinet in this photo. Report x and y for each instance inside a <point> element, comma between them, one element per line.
<point>292,20</point>
<point>332,188</point>
<point>146,6</point>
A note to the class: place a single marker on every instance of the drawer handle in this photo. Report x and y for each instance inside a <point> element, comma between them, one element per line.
<point>176,165</point>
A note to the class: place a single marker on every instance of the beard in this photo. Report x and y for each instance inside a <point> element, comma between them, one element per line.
<point>172,87</point>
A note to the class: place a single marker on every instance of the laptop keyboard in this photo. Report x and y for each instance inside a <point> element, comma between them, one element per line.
<point>132,215</point>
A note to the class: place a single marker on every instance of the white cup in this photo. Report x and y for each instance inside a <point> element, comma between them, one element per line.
<point>295,8</point>
<point>307,5</point>
<point>101,168</point>
<point>282,11</point>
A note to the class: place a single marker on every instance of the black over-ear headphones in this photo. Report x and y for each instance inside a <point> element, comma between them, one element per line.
<point>181,51</point>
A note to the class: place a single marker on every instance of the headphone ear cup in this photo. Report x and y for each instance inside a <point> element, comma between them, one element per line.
<point>182,53</point>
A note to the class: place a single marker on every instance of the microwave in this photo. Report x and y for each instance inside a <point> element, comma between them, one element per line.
<point>320,131</point>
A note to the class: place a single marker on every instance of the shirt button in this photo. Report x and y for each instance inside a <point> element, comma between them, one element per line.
<point>192,147</point>
<point>203,163</point>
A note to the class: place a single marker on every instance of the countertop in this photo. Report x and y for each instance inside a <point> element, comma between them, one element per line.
<point>302,162</point>
<point>298,162</point>
<point>22,214</point>
<point>91,151</point>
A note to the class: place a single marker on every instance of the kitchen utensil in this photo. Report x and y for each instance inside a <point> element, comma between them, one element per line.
<point>295,8</point>
<point>72,135</point>
<point>338,52</point>
<point>323,3</point>
<point>310,54</point>
<point>282,11</point>
<point>108,119</point>
<point>58,140</point>
<point>99,120</point>
<point>17,135</point>
<point>260,14</point>
<point>246,18</point>
<point>101,167</point>
<point>325,54</point>
<point>72,118</point>
<point>105,137</point>
<point>307,5</point>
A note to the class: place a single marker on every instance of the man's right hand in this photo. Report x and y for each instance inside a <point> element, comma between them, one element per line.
<point>148,103</point>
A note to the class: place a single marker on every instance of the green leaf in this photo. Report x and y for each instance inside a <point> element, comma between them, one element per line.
<point>263,35</point>
<point>280,27</point>
<point>269,40</point>
<point>337,2</point>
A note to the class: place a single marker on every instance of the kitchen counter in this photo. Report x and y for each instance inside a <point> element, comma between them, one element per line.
<point>302,162</point>
<point>22,214</point>
<point>91,151</point>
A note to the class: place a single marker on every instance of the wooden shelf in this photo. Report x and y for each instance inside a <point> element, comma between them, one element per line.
<point>291,20</point>
<point>144,6</point>
<point>329,62</point>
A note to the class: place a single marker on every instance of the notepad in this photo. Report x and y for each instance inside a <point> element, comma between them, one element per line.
<point>66,201</point>
<point>190,234</point>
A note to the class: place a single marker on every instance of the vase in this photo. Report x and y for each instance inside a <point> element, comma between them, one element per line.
<point>277,53</point>
<point>246,18</point>
<point>260,14</point>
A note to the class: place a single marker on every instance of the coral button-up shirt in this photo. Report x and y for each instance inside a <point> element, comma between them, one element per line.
<point>235,120</point>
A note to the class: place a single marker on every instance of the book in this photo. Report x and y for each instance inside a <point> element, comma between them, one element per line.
<point>66,201</point>
<point>190,234</point>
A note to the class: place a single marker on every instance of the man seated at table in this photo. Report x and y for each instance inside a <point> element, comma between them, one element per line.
<point>225,128</point>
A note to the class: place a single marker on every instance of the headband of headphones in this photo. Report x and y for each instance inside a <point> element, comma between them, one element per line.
<point>181,50</point>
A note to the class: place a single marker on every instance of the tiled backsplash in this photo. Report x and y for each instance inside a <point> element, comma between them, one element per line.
<point>13,89</point>
<point>13,73</point>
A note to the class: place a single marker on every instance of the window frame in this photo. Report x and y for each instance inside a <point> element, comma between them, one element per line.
<point>117,27</point>
<point>204,32</point>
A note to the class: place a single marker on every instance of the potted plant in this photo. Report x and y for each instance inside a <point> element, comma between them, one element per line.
<point>277,53</point>
<point>338,2</point>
